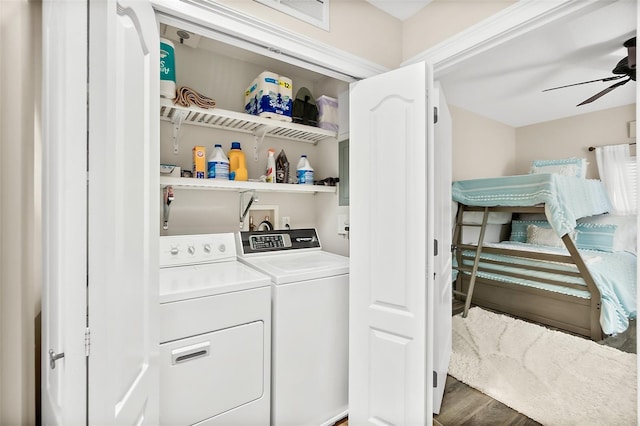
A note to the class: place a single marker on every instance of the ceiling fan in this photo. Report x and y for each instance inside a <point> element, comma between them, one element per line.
<point>625,68</point>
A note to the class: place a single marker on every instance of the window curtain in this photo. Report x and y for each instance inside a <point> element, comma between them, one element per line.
<point>617,170</point>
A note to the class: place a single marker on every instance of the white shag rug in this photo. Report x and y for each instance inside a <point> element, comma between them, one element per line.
<point>551,377</point>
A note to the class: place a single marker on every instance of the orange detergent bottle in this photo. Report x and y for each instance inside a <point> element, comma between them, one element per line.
<point>237,163</point>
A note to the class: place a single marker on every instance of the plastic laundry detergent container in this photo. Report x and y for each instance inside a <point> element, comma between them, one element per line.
<point>237,163</point>
<point>167,69</point>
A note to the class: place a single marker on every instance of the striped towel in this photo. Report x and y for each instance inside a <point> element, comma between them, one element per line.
<point>186,97</point>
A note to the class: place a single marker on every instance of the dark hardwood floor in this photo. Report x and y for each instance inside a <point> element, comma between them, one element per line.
<point>464,405</point>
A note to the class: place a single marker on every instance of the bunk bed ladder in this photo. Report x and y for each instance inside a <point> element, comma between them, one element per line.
<point>457,238</point>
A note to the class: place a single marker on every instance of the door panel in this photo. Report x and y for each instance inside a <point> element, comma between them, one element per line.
<point>389,372</point>
<point>64,207</point>
<point>442,262</point>
<point>123,213</point>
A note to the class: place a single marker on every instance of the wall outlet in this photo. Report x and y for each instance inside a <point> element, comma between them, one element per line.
<point>286,222</point>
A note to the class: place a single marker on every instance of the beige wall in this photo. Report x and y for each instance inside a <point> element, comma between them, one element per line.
<point>20,48</point>
<point>365,31</point>
<point>481,147</point>
<point>442,19</point>
<point>570,137</point>
<point>356,27</point>
<point>484,148</point>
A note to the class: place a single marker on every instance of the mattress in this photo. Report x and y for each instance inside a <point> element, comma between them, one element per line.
<point>565,198</point>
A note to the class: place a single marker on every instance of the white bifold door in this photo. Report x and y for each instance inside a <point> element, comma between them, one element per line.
<point>101,213</point>
<point>400,274</point>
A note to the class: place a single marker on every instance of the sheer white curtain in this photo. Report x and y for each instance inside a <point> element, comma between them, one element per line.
<point>617,170</point>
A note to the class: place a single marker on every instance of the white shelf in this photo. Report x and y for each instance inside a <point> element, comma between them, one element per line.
<point>239,186</point>
<point>242,122</point>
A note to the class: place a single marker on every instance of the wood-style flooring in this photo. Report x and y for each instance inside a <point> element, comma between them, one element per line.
<point>464,405</point>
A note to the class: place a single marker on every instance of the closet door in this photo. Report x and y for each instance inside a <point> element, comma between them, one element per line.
<point>123,212</point>
<point>442,291</point>
<point>392,274</point>
<point>64,212</point>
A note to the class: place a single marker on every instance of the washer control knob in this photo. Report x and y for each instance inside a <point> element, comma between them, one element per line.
<point>207,248</point>
<point>191,250</point>
<point>222,248</point>
<point>174,250</point>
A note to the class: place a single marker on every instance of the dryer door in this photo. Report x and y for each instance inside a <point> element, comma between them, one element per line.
<point>204,376</point>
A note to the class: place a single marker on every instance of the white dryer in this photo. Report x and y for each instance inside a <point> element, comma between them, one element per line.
<point>310,324</point>
<point>215,334</point>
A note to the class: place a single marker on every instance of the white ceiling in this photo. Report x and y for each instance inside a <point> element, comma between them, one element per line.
<point>506,83</point>
<point>399,8</point>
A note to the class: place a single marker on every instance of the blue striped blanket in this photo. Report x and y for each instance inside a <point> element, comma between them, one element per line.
<point>566,198</point>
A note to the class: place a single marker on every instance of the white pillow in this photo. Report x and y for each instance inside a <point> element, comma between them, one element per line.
<point>567,166</point>
<point>544,237</point>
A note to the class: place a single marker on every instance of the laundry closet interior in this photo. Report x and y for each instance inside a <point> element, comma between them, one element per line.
<point>262,332</point>
<point>223,72</point>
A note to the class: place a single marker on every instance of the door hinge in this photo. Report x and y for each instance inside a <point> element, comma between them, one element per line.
<point>435,115</point>
<point>87,341</point>
<point>435,379</point>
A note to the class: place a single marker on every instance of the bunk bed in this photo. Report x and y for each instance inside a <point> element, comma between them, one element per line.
<point>560,267</point>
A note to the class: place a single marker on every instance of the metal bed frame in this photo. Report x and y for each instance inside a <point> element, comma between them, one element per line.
<point>565,312</point>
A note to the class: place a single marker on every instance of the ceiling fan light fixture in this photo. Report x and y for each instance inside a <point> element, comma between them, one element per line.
<point>631,52</point>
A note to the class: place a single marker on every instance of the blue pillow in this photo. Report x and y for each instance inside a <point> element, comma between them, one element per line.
<point>589,236</point>
<point>596,236</point>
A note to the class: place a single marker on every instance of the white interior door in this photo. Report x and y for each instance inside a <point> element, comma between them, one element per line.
<point>123,212</point>
<point>442,261</point>
<point>64,212</point>
<point>391,175</point>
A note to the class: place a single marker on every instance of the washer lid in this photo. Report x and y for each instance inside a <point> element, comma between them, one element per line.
<point>287,267</point>
<point>193,281</point>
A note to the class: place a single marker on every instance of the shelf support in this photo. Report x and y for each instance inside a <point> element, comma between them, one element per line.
<point>166,206</point>
<point>258,138</point>
<point>177,119</point>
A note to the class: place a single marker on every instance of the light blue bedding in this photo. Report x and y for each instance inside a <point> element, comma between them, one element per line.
<point>614,274</point>
<point>566,198</point>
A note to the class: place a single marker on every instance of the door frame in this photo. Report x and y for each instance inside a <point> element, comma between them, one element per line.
<point>508,24</point>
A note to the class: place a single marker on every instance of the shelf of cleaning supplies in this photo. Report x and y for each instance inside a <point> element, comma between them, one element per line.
<point>242,122</point>
<point>240,186</point>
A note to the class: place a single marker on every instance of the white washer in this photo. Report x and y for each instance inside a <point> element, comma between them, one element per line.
<point>310,324</point>
<point>215,334</point>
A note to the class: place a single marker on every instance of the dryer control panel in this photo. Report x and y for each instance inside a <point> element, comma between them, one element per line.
<point>179,250</point>
<point>254,242</point>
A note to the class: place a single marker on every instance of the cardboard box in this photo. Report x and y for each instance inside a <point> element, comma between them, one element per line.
<point>199,162</point>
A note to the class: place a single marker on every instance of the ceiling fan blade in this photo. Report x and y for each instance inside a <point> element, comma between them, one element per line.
<point>615,77</point>
<point>604,92</point>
